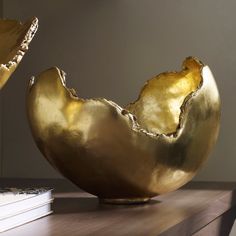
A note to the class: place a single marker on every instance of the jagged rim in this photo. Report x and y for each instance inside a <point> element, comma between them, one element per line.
<point>23,47</point>
<point>135,126</point>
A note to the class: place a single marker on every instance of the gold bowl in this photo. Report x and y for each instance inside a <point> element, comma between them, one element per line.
<point>14,41</point>
<point>127,155</point>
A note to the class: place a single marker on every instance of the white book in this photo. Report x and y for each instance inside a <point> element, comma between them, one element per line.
<point>24,217</point>
<point>19,206</point>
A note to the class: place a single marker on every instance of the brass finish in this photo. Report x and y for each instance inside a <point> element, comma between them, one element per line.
<point>124,201</point>
<point>155,145</point>
<point>14,41</point>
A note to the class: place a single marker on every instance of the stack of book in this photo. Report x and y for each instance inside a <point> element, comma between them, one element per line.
<point>20,206</point>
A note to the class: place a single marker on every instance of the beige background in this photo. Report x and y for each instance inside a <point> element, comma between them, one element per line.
<point>108,49</point>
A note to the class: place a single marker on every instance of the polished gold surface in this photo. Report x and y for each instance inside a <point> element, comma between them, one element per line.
<point>14,41</point>
<point>154,146</point>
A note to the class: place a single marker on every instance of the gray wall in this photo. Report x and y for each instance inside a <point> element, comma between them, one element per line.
<point>109,48</point>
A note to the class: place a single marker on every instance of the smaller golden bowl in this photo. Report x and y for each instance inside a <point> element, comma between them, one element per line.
<point>127,155</point>
<point>14,41</point>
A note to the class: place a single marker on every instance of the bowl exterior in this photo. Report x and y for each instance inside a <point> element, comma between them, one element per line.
<point>95,144</point>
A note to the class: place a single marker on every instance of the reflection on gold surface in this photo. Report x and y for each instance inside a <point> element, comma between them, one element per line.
<point>14,41</point>
<point>155,145</point>
<point>158,106</point>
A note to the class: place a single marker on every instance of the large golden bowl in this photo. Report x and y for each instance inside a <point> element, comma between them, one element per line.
<point>14,41</point>
<point>122,155</point>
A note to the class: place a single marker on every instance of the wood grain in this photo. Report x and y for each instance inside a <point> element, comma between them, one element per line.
<point>186,211</point>
<point>220,226</point>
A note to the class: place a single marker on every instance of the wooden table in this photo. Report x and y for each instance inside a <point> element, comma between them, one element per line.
<point>199,209</point>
